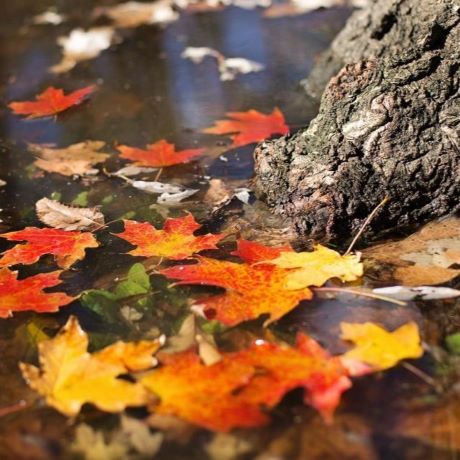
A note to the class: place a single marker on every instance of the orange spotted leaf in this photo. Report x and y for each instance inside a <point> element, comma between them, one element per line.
<point>51,102</point>
<point>158,155</point>
<point>249,127</point>
<point>175,241</point>
<point>252,252</point>
<point>66,247</point>
<point>27,294</point>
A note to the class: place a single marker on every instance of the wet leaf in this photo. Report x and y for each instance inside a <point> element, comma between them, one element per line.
<point>316,267</point>
<point>252,290</point>
<point>66,247</point>
<point>418,293</point>
<point>249,127</point>
<point>175,241</point>
<point>379,348</point>
<point>28,294</point>
<point>51,102</point>
<point>453,343</point>
<point>58,215</point>
<point>77,159</point>
<point>158,155</point>
<point>69,376</point>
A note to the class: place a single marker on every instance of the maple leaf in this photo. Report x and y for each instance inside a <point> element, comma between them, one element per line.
<point>158,155</point>
<point>252,290</point>
<point>27,294</point>
<point>252,252</point>
<point>379,348</point>
<point>69,376</point>
<point>77,159</point>
<point>66,247</point>
<point>175,241</point>
<point>51,102</point>
<point>249,127</point>
<point>316,267</point>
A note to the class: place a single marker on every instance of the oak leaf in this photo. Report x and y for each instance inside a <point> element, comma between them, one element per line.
<point>58,215</point>
<point>249,127</point>
<point>66,247</point>
<point>69,376</point>
<point>28,295</point>
<point>379,348</point>
<point>158,155</point>
<point>51,102</point>
<point>77,159</point>
<point>316,267</point>
<point>175,241</point>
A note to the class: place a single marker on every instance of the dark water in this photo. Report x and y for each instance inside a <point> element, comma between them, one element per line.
<point>147,91</point>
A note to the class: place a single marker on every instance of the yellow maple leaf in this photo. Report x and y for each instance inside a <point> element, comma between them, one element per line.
<point>379,348</point>
<point>70,376</point>
<point>316,267</point>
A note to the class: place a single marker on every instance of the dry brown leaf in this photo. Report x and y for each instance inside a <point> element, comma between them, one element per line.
<point>430,256</point>
<point>77,159</point>
<point>58,215</point>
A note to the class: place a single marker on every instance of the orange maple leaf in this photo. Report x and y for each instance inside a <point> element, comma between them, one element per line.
<point>51,102</point>
<point>252,290</point>
<point>27,294</point>
<point>67,247</point>
<point>235,391</point>
<point>158,155</point>
<point>175,241</point>
<point>249,127</point>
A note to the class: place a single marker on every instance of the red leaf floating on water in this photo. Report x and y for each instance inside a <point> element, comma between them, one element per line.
<point>249,127</point>
<point>158,155</point>
<point>27,294</point>
<point>51,102</point>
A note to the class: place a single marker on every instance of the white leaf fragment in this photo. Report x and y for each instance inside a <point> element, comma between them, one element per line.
<point>174,198</point>
<point>49,17</point>
<point>420,292</point>
<point>243,194</point>
<point>156,187</point>
<point>2,183</point>
<point>132,170</point>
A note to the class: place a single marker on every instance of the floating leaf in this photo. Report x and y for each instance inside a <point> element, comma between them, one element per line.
<point>379,348</point>
<point>69,376</point>
<point>158,155</point>
<point>27,294</point>
<point>77,159</point>
<point>418,293</point>
<point>249,127</point>
<point>175,241</point>
<point>66,247</point>
<point>51,102</point>
<point>58,215</point>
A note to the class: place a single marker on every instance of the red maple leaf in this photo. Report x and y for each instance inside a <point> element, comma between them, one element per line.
<point>159,154</point>
<point>175,241</point>
<point>249,127</point>
<point>27,294</point>
<point>67,247</point>
<point>51,102</point>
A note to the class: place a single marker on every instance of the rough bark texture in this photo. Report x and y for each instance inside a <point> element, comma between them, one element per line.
<point>388,125</point>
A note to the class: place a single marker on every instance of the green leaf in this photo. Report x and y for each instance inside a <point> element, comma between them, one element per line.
<point>103,303</point>
<point>138,282</point>
<point>453,343</point>
<point>81,199</point>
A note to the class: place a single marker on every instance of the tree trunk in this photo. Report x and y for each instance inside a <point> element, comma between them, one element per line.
<point>388,125</point>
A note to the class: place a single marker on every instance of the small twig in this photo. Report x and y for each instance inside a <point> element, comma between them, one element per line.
<point>7,410</point>
<point>420,374</point>
<point>361,293</point>
<point>158,174</point>
<point>366,223</point>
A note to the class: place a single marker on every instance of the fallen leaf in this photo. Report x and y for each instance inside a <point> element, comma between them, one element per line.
<point>158,155</point>
<point>132,170</point>
<point>69,376</point>
<point>66,247</point>
<point>316,267</point>
<point>81,45</point>
<point>175,241</point>
<point>58,215</point>
<point>169,199</point>
<point>430,256</point>
<point>51,102</point>
<point>379,348</point>
<point>77,159</point>
<point>139,436</point>
<point>418,293</point>
<point>27,294</point>
<point>249,127</point>
<point>252,290</point>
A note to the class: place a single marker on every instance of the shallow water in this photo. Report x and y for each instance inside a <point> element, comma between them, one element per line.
<point>146,92</point>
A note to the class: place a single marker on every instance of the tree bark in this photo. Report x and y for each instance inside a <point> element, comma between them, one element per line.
<point>388,125</point>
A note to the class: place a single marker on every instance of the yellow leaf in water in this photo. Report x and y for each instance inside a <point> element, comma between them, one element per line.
<point>316,267</point>
<point>69,376</point>
<point>379,348</point>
